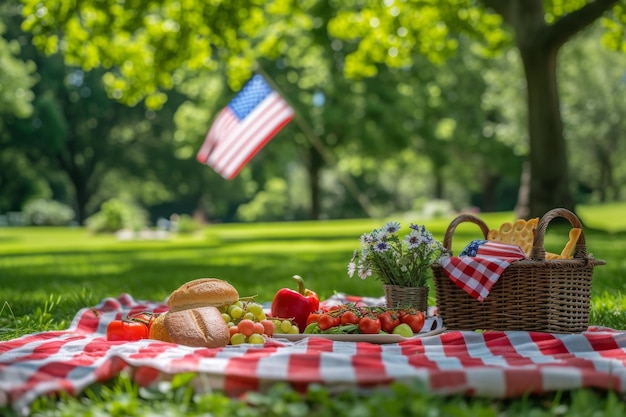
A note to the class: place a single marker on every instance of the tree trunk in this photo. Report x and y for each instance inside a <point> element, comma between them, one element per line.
<point>78,183</point>
<point>315,165</point>
<point>522,206</point>
<point>489,192</point>
<point>549,177</point>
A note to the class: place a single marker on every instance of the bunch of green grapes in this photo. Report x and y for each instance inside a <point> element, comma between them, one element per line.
<point>242,310</point>
<point>248,323</point>
<point>285,326</point>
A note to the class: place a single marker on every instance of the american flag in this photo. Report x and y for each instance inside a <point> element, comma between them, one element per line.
<point>243,127</point>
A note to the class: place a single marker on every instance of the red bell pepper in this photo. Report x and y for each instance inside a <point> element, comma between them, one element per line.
<point>296,305</point>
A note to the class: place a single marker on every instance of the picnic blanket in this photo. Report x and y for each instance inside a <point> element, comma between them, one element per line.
<point>493,364</point>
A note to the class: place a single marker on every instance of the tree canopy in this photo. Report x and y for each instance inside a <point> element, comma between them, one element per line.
<point>148,49</point>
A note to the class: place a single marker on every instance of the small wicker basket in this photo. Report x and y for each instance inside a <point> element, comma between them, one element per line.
<point>397,296</point>
<point>531,295</point>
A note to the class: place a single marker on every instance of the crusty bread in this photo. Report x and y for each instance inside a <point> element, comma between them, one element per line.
<point>198,327</point>
<point>157,328</point>
<point>202,292</point>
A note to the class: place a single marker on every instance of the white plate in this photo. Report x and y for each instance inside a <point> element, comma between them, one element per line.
<point>370,338</point>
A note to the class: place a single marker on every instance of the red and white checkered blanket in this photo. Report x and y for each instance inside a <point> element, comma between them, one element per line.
<point>478,273</point>
<point>497,364</point>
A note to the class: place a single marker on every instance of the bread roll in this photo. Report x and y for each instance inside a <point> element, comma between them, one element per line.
<point>202,292</point>
<point>198,327</point>
<point>157,329</point>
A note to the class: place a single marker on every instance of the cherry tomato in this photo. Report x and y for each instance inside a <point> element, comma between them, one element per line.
<point>388,321</point>
<point>126,330</point>
<point>415,321</point>
<point>402,313</point>
<point>369,325</point>
<point>313,318</point>
<point>326,321</point>
<point>349,317</point>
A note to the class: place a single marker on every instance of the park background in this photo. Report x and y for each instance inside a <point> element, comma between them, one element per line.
<point>113,111</point>
<point>99,127</point>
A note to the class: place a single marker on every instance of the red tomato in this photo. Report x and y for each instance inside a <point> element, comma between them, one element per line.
<point>126,330</point>
<point>144,317</point>
<point>388,321</point>
<point>313,317</point>
<point>369,325</point>
<point>349,317</point>
<point>402,313</point>
<point>326,321</point>
<point>415,321</point>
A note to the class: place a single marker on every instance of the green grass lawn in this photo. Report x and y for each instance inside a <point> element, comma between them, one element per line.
<point>47,274</point>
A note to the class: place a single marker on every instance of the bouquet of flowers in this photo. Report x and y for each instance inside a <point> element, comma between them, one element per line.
<point>405,262</point>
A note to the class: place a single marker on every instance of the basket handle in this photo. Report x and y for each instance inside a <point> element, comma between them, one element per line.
<point>462,218</point>
<point>538,251</point>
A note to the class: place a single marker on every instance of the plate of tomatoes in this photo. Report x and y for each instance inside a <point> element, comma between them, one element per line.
<point>380,339</point>
<point>354,323</point>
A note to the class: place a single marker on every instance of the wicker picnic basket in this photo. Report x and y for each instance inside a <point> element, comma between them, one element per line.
<point>532,294</point>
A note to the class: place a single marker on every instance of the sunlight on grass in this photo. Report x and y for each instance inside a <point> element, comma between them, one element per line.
<point>610,217</point>
<point>258,259</point>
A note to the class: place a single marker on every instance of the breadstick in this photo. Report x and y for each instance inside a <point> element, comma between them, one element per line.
<point>574,234</point>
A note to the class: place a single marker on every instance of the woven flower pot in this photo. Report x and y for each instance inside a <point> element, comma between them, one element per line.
<point>397,296</point>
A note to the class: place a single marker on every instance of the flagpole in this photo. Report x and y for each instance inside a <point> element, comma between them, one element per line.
<point>321,148</point>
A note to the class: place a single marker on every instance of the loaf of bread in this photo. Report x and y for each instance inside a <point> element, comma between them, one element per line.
<point>202,292</point>
<point>197,327</point>
<point>157,329</point>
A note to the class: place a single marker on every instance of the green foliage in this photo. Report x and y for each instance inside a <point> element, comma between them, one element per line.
<point>81,143</point>
<point>267,205</point>
<point>614,37</point>
<point>19,182</point>
<point>117,214</point>
<point>186,224</point>
<point>40,212</point>
<point>595,118</point>
<point>393,33</point>
<point>151,43</point>
<point>17,77</point>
